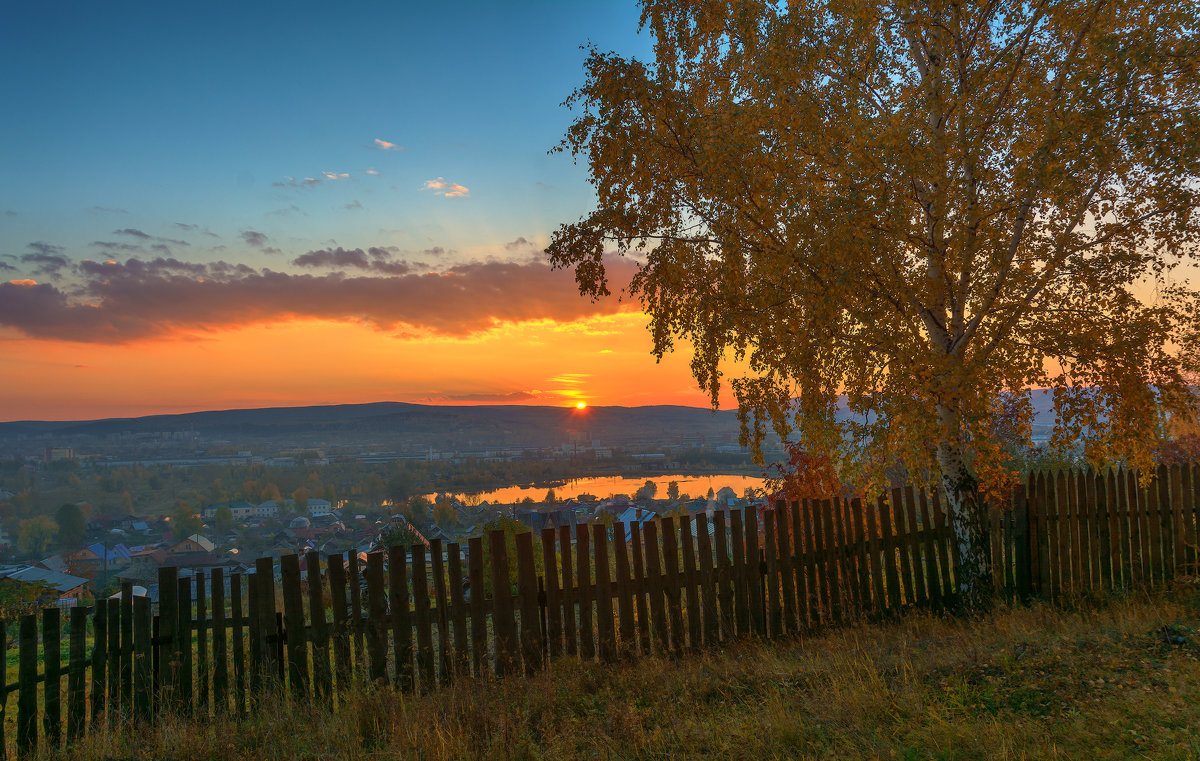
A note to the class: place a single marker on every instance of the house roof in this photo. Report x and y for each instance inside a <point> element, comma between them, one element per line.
<point>118,552</point>
<point>61,582</point>
<point>203,541</point>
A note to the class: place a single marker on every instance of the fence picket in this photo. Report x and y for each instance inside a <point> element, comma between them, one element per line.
<point>423,617</point>
<point>52,672</point>
<point>725,593</point>
<point>654,584</point>
<point>441,601</point>
<point>76,671</point>
<point>554,617</point>
<point>220,675</point>
<point>708,582</point>
<point>479,646</point>
<point>531,628</point>
<point>376,624</point>
<point>640,588</point>
<point>322,673</point>
<point>671,584</point>
<point>503,620</point>
<point>624,587</point>
<point>584,589</point>
<point>458,608</point>
<point>605,625</point>
<point>687,543</point>
<point>143,682</point>
<point>569,594</point>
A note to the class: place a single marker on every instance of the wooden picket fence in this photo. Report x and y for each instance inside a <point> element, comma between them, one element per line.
<point>423,618</point>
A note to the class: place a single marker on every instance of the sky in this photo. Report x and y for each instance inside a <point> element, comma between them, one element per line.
<point>228,205</point>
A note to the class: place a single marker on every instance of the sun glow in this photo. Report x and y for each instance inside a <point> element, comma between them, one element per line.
<point>581,406</point>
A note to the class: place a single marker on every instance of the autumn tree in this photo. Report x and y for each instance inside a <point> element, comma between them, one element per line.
<point>895,214</point>
<point>35,534</point>
<point>673,491</point>
<point>184,521</point>
<point>72,526</point>
<point>223,519</point>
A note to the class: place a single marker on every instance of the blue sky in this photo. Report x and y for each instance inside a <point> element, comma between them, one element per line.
<point>246,205</point>
<point>157,116</point>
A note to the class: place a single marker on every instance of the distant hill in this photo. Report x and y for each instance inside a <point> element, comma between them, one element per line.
<point>482,425</point>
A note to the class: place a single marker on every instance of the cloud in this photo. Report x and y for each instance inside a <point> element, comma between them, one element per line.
<point>108,210</point>
<point>119,303</point>
<point>447,189</point>
<point>383,145</point>
<point>497,398</point>
<point>291,209</point>
<point>109,245</point>
<point>372,171</point>
<point>352,206</point>
<point>11,213</point>
<point>135,233</point>
<point>255,238</point>
<point>6,267</point>
<point>292,182</point>
<point>131,232</point>
<point>374,259</point>
<point>47,249</point>
<point>518,243</point>
<point>335,175</point>
<point>46,264</point>
<point>186,227</point>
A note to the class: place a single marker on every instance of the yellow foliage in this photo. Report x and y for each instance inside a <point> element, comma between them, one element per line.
<point>927,208</point>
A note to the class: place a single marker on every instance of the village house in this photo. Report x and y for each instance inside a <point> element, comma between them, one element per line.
<point>68,590</point>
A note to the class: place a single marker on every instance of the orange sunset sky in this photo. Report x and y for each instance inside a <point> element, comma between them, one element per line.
<point>199,213</point>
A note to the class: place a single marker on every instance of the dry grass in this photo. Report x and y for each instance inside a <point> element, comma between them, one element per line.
<point>1119,679</point>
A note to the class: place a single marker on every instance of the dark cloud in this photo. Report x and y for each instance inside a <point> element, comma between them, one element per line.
<point>107,210</point>
<point>46,264</point>
<point>6,267</point>
<point>518,243</point>
<point>46,249</point>
<point>122,302</point>
<point>435,251</point>
<point>10,213</point>
<point>254,238</point>
<point>109,245</point>
<point>374,259</point>
<point>135,233</point>
<point>186,227</point>
<point>351,206</point>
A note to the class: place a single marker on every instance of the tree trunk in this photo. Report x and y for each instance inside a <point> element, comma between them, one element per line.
<point>969,521</point>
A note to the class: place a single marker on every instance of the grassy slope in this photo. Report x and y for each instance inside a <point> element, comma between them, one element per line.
<point>1116,680</point>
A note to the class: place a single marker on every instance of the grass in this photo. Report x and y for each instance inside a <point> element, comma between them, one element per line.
<point>1119,679</point>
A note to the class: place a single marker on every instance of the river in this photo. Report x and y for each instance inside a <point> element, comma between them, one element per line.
<point>691,485</point>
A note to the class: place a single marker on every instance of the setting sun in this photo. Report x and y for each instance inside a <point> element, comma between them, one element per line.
<point>581,405</point>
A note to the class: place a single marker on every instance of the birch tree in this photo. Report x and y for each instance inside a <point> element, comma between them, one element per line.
<point>900,215</point>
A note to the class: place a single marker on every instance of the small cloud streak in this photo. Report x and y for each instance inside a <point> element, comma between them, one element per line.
<point>335,175</point>
<point>373,171</point>
<point>384,145</point>
<point>255,238</point>
<point>442,187</point>
<point>514,397</point>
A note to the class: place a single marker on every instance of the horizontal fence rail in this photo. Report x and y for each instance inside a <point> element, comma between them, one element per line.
<point>421,618</point>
